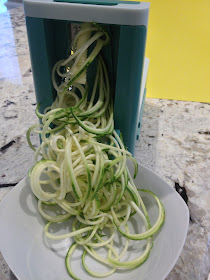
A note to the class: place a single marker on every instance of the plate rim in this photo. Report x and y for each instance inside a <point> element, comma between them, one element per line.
<point>185,207</point>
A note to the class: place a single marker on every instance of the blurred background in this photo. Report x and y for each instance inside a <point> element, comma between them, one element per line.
<point>178,46</point>
<point>5,5</point>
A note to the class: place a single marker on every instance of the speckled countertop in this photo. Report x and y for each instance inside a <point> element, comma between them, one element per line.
<point>174,143</point>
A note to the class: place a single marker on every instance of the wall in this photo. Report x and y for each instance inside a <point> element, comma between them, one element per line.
<point>178,46</point>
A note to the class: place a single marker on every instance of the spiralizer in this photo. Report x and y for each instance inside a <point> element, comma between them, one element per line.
<point>51,27</point>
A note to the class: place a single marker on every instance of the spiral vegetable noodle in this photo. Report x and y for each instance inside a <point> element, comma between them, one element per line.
<point>81,163</point>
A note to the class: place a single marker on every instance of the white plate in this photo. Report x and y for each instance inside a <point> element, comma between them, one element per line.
<point>32,257</point>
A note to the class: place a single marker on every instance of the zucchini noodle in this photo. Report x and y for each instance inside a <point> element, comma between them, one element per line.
<point>81,163</point>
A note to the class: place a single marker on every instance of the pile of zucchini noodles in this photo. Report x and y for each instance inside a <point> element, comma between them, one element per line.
<point>81,163</point>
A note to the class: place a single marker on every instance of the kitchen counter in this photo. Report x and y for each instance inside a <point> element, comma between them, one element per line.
<point>174,143</point>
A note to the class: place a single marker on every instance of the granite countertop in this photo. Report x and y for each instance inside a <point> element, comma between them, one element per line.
<point>174,143</point>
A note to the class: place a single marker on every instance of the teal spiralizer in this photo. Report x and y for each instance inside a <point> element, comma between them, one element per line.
<point>50,27</point>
